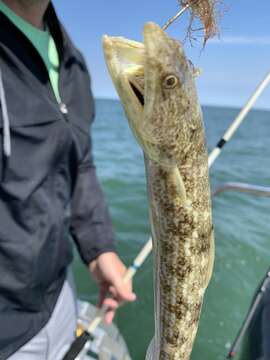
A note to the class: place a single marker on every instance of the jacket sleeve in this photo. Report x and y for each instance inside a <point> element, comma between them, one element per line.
<point>91,226</point>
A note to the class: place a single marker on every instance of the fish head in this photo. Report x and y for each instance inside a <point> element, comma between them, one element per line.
<point>155,83</point>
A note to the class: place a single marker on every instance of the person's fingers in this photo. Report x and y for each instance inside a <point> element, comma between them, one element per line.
<point>103,292</point>
<point>111,303</point>
<point>120,294</point>
<point>109,317</point>
<point>120,291</point>
<point>113,291</point>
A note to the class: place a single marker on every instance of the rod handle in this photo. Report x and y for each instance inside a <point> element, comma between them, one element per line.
<point>77,345</point>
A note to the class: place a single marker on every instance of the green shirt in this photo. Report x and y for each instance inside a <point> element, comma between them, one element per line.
<point>44,44</point>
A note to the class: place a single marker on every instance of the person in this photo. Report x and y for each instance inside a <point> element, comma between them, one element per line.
<point>49,192</point>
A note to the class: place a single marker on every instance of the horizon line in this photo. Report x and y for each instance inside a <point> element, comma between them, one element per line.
<point>205,104</point>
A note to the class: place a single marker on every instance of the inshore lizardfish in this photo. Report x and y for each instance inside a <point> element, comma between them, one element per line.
<point>155,82</point>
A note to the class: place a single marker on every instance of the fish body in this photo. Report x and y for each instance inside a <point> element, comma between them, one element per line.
<point>155,82</point>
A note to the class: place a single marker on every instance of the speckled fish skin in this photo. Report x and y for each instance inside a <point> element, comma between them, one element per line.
<point>169,127</point>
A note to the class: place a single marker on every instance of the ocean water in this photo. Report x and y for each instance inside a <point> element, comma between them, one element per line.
<point>242,225</point>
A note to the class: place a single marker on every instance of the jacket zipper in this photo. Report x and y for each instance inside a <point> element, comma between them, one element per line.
<point>62,105</point>
<point>64,110</point>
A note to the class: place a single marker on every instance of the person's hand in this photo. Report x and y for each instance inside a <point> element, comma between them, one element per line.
<point>108,271</point>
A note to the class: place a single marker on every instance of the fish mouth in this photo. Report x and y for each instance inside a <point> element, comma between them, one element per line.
<point>137,88</point>
<point>125,60</point>
<point>129,61</point>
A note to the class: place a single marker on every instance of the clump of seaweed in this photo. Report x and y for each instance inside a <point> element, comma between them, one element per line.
<point>206,12</point>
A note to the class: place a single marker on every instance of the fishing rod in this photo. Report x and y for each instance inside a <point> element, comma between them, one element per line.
<point>239,119</point>
<point>265,284</point>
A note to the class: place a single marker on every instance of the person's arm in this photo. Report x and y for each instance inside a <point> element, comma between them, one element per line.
<point>91,225</point>
<point>92,231</point>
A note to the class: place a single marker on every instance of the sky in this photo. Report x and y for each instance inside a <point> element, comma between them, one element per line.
<point>232,64</point>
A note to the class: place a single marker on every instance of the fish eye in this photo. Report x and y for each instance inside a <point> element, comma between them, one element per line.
<point>170,81</point>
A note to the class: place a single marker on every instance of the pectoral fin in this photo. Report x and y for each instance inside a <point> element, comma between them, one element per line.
<point>179,183</point>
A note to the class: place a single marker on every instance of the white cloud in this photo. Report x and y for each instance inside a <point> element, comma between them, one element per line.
<point>241,40</point>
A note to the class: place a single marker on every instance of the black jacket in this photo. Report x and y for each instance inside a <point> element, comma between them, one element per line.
<point>48,185</point>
